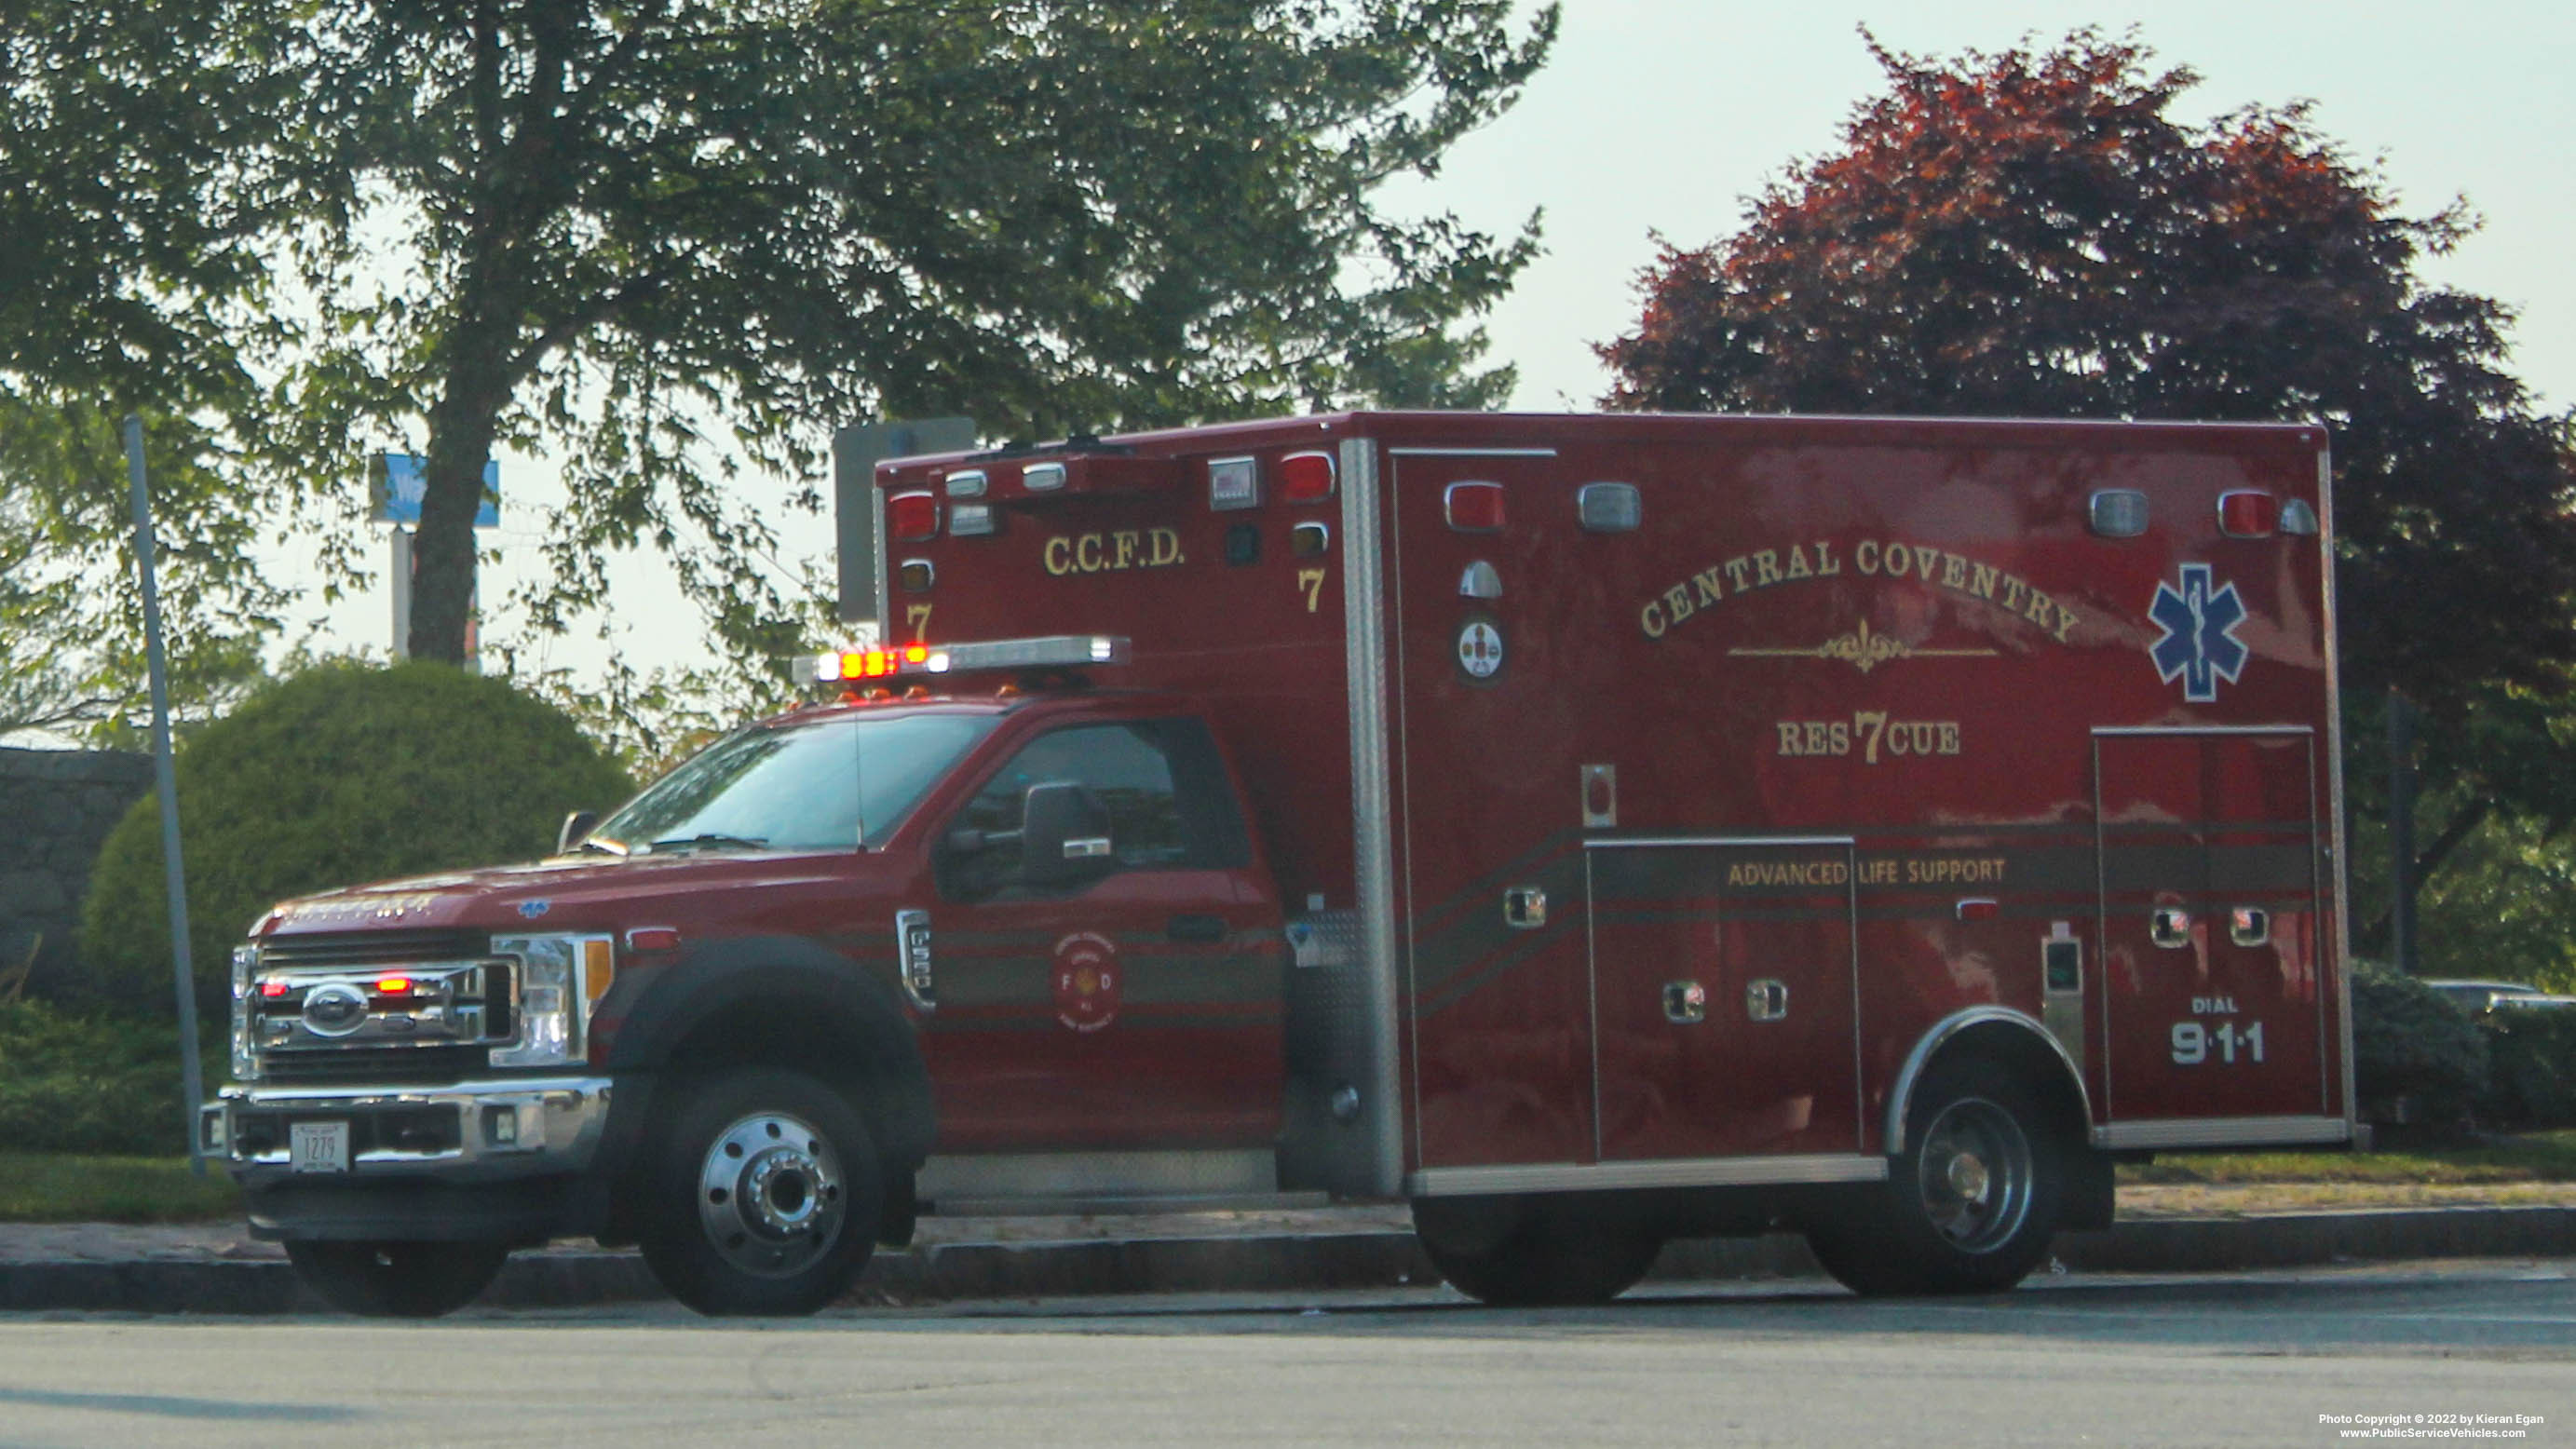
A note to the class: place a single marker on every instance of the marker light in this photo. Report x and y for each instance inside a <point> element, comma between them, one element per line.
<point>1305,477</point>
<point>1309,540</point>
<point>2248,515</point>
<point>1058,649</point>
<point>1475,507</point>
<point>912,517</point>
<point>2118,512</point>
<point>915,574</point>
<point>966,484</point>
<point>1977,908</point>
<point>1042,477</point>
<point>272,989</point>
<point>1233,483</point>
<point>394,986</point>
<point>1609,507</point>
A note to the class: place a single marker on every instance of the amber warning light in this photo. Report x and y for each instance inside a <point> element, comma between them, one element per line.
<point>916,659</point>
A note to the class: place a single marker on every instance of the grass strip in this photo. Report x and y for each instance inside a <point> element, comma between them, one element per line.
<point>2531,1157</point>
<point>56,1188</point>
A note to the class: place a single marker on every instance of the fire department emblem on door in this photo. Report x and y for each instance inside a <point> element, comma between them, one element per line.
<point>1087,982</point>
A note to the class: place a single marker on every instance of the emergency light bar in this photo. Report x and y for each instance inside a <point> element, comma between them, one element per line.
<point>915,659</point>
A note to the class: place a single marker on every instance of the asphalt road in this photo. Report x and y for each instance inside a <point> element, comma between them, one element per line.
<point>2254,1359</point>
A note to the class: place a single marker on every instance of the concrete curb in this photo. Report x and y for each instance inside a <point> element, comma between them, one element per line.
<point>1299,1262</point>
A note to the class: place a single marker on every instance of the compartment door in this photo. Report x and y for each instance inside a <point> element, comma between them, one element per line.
<point>2211,892</point>
<point>1723,980</point>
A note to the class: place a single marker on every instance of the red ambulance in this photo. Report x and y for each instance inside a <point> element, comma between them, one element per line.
<point>1593,830</point>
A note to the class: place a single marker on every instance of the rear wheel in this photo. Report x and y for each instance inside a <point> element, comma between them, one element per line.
<point>1535,1254</point>
<point>763,1195</point>
<point>397,1279</point>
<point>1970,1205</point>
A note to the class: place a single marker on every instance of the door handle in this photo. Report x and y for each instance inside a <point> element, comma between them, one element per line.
<point>1196,928</point>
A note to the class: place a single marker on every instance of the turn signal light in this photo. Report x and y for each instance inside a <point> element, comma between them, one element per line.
<point>1475,507</point>
<point>2248,515</point>
<point>1306,477</point>
<point>394,986</point>
<point>912,517</point>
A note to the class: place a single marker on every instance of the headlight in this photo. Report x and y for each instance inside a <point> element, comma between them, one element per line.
<point>559,977</point>
<point>245,1060</point>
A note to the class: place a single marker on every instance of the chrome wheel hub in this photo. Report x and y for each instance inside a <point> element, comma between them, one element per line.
<point>1976,1175</point>
<point>770,1195</point>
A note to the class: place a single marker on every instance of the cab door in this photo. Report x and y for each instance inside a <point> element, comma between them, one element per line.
<point>1128,997</point>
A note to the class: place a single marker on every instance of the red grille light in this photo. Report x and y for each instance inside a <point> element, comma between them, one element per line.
<point>2248,515</point>
<point>1476,507</point>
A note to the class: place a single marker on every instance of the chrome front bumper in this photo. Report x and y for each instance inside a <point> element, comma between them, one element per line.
<point>508,1128</point>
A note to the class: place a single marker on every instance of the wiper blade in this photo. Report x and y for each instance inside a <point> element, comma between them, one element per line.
<point>712,840</point>
<point>600,843</point>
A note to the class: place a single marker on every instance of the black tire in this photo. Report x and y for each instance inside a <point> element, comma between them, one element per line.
<point>1539,1254</point>
<point>397,1279</point>
<point>762,1194</point>
<point>1970,1205</point>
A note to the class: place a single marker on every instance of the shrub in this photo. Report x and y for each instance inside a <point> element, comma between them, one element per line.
<point>343,774</point>
<point>92,1084</point>
<point>2416,1057</point>
<point>2532,1067</point>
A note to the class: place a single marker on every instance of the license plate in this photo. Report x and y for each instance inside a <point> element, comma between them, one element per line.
<point>318,1146</point>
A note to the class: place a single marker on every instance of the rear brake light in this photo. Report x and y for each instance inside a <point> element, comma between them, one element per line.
<point>1305,477</point>
<point>912,517</point>
<point>2248,515</point>
<point>1476,507</point>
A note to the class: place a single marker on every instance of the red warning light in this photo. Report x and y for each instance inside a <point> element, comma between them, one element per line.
<point>912,517</point>
<point>394,986</point>
<point>2248,515</point>
<point>1476,507</point>
<point>1305,477</point>
<point>272,989</point>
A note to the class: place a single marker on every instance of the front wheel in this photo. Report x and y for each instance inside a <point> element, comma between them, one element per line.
<point>397,1279</point>
<point>763,1195</point>
<point>1970,1205</point>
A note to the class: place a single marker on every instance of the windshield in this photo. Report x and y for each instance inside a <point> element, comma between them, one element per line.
<point>797,785</point>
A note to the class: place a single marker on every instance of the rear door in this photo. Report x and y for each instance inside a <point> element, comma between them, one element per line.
<point>2211,865</point>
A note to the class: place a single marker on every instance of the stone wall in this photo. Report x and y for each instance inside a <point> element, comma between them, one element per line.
<point>56,808</point>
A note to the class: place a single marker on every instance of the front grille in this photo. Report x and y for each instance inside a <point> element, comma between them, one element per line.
<point>434,1027</point>
<point>359,1066</point>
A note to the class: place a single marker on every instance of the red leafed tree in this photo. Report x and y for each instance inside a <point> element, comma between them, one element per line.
<point>2031,233</point>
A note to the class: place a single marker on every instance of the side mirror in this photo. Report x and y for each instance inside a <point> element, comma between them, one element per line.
<point>1064,835</point>
<point>576,827</point>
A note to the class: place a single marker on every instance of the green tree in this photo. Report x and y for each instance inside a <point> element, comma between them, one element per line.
<point>676,238</point>
<point>131,275</point>
<point>2031,233</point>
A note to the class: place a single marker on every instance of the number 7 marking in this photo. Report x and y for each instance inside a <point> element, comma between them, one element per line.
<point>1312,581</point>
<point>918,616</point>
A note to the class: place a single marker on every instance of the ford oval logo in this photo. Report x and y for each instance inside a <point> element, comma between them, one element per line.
<point>334,1010</point>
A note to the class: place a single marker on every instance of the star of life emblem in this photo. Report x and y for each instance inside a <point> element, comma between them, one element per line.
<point>2199,646</point>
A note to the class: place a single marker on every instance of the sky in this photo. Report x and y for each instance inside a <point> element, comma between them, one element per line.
<point>1662,116</point>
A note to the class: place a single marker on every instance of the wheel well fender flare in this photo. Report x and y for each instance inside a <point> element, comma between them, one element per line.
<point>1957,1030</point>
<point>809,992</point>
